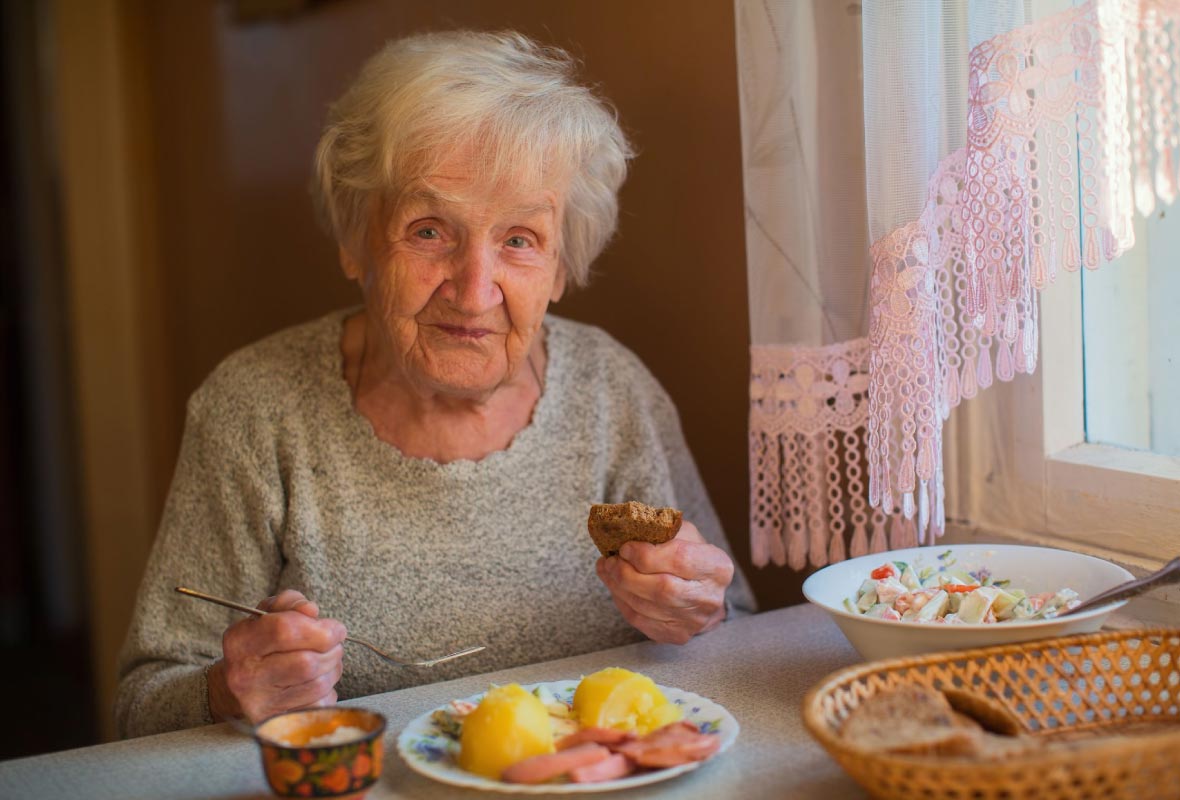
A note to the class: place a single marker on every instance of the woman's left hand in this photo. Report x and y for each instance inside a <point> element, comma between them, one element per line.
<point>670,591</point>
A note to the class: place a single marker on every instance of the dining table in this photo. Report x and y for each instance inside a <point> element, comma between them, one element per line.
<point>759,667</point>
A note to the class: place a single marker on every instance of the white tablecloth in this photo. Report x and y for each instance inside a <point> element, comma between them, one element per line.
<point>758,667</point>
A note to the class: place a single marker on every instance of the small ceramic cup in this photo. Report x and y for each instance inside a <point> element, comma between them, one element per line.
<point>322,752</point>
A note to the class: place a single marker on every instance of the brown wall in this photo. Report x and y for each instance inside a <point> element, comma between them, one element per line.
<point>237,110</point>
<point>222,121</point>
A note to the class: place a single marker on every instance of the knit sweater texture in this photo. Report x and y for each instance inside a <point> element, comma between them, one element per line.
<point>281,484</point>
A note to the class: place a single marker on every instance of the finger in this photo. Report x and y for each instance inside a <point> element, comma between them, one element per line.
<point>713,621</point>
<point>675,625</point>
<point>669,632</point>
<point>689,560</point>
<point>690,533</point>
<point>696,606</point>
<point>292,600</point>
<point>682,558</point>
<point>281,631</point>
<point>308,693</point>
<point>290,630</point>
<point>661,589</point>
<point>312,694</point>
<point>271,674</point>
<point>266,686</point>
<point>608,572</point>
<point>694,615</point>
<point>284,670</point>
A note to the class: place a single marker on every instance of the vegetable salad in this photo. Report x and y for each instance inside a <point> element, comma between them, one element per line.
<point>951,595</point>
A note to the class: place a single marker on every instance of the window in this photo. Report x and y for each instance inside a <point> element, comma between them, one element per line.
<point>1077,455</point>
<point>1084,453</point>
<point>1131,342</point>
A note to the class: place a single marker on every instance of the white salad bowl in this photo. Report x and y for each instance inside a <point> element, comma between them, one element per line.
<point>1034,569</point>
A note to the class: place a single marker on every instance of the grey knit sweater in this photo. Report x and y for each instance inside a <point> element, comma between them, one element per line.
<point>282,484</point>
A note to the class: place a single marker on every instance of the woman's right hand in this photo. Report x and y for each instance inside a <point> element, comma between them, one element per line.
<point>285,660</point>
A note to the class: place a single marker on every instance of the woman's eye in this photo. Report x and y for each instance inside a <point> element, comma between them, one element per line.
<point>517,241</point>
<point>427,233</point>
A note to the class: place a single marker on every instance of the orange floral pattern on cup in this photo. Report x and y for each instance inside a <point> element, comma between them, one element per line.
<point>345,770</point>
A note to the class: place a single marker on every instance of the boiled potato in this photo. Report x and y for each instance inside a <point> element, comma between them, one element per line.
<point>508,726</point>
<point>618,698</point>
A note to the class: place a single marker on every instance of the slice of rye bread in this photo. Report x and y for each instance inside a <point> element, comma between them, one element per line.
<point>990,713</point>
<point>611,524</point>
<point>913,720</point>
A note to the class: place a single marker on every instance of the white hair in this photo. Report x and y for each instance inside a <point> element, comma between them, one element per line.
<point>510,101</point>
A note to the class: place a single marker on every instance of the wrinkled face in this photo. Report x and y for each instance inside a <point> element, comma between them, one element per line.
<point>457,278</point>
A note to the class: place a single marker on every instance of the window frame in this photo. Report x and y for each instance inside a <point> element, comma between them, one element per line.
<point>1098,495</point>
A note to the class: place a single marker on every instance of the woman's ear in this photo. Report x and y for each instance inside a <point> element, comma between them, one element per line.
<point>350,265</point>
<point>558,285</point>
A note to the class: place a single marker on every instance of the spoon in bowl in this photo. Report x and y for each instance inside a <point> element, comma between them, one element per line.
<point>401,662</point>
<point>1170,573</point>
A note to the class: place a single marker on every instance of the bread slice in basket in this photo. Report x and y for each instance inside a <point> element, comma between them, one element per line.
<point>612,524</point>
<point>991,715</point>
<point>916,720</point>
<point>910,719</point>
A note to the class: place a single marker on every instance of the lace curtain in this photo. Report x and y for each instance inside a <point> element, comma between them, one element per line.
<point>899,227</point>
<point>807,248</point>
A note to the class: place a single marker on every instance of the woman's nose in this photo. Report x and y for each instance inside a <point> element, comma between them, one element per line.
<point>472,288</point>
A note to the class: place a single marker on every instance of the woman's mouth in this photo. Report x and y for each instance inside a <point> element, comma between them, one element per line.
<point>463,332</point>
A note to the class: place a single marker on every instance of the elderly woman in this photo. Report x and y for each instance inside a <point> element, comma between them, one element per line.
<point>421,468</point>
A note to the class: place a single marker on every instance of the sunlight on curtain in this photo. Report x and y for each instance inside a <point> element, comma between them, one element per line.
<point>1000,143</point>
<point>1071,125</point>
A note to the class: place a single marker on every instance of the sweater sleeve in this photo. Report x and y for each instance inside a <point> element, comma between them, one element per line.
<point>218,534</point>
<point>656,467</point>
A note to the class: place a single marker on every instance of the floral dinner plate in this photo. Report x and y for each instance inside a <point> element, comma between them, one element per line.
<point>429,751</point>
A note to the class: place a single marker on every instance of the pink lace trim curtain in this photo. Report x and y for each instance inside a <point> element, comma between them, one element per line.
<point>808,415</point>
<point>1072,123</point>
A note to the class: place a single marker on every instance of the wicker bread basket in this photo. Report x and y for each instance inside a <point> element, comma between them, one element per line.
<point>1058,688</point>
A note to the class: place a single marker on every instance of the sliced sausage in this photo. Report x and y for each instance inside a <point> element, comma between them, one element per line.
<point>670,746</point>
<point>539,769</point>
<point>610,769</point>
<point>606,736</point>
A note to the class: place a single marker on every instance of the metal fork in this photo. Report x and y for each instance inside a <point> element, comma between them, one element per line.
<point>401,662</point>
<point>1169,573</point>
